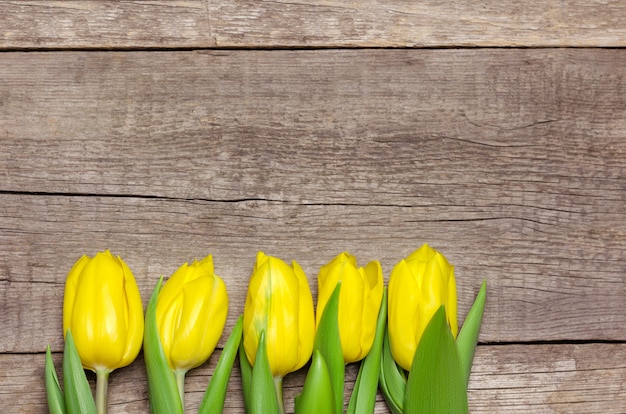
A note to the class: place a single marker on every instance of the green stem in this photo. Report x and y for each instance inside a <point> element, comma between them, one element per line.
<point>180,381</point>
<point>102,386</point>
<point>278,385</point>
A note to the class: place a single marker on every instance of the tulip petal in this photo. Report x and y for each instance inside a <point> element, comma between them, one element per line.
<point>351,315</point>
<point>215,395</point>
<point>134,317</point>
<point>56,402</point>
<point>403,314</point>
<point>317,394</point>
<point>162,388</point>
<point>69,294</point>
<point>436,382</point>
<point>78,396</point>
<point>468,337</point>
<point>306,318</point>
<point>328,342</point>
<point>363,398</point>
<point>282,330</point>
<point>374,285</point>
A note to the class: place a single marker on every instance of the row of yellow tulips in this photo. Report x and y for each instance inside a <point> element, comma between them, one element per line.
<point>103,311</point>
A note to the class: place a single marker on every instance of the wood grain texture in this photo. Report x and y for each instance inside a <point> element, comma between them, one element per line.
<point>510,162</point>
<point>360,127</point>
<point>304,23</point>
<point>168,130</point>
<point>104,24</point>
<point>506,379</point>
<point>536,294</point>
<point>372,23</point>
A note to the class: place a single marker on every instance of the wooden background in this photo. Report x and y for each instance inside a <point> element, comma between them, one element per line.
<point>166,131</point>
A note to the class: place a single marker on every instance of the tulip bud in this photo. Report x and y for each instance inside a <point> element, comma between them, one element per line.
<point>191,313</point>
<point>418,286</point>
<point>359,302</point>
<point>279,303</point>
<point>102,307</point>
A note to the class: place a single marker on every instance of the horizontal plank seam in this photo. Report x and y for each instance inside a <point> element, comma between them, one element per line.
<point>557,342</point>
<point>284,48</point>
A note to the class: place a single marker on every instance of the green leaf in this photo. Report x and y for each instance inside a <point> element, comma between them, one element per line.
<point>215,395</point>
<point>246,376</point>
<point>436,381</point>
<point>56,402</point>
<point>162,388</point>
<point>328,342</point>
<point>392,379</point>
<point>363,398</point>
<point>78,396</point>
<point>468,337</point>
<point>317,394</point>
<point>263,398</point>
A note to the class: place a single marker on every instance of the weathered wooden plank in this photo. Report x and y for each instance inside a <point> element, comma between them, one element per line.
<point>399,23</point>
<point>541,128</point>
<point>547,281</point>
<point>305,23</point>
<point>587,378</point>
<point>104,24</point>
<point>584,378</point>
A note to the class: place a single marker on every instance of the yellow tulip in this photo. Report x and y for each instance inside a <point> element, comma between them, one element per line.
<point>102,307</point>
<point>359,302</point>
<point>279,302</point>
<point>418,286</point>
<point>191,313</point>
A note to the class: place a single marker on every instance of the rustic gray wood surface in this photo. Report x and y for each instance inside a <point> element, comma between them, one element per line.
<point>166,131</point>
<point>310,23</point>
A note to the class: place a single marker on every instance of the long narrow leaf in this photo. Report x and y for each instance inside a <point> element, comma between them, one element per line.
<point>468,337</point>
<point>246,376</point>
<point>317,394</point>
<point>78,396</point>
<point>162,388</point>
<point>263,397</point>
<point>392,379</point>
<point>56,402</point>
<point>215,395</point>
<point>328,342</point>
<point>363,398</point>
<point>436,381</point>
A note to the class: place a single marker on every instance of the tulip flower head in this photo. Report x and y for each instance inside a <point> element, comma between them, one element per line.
<point>191,313</point>
<point>418,286</point>
<point>279,302</point>
<point>102,307</point>
<point>359,302</point>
